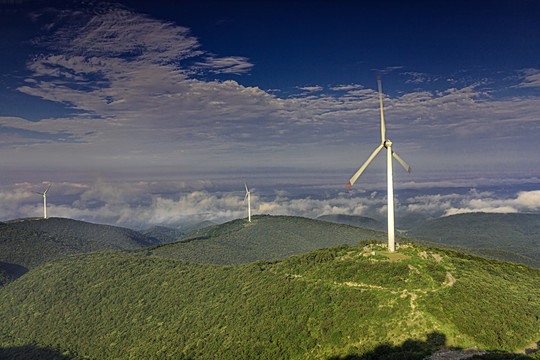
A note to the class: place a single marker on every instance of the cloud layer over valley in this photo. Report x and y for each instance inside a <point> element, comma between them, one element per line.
<point>143,204</point>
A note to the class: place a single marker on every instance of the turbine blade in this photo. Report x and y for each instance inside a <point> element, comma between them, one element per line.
<point>245,184</point>
<point>381,108</point>
<point>361,170</point>
<point>245,197</point>
<point>47,189</point>
<point>402,162</point>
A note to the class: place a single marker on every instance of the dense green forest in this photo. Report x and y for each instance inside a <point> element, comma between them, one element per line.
<point>165,234</point>
<point>344,302</point>
<point>27,243</point>
<point>112,236</point>
<point>500,255</point>
<point>505,237</point>
<point>264,238</point>
<point>516,233</point>
<point>355,220</point>
<point>276,237</point>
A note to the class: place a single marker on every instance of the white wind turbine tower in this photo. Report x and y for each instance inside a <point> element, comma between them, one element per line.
<point>389,176</point>
<point>248,197</point>
<point>44,194</point>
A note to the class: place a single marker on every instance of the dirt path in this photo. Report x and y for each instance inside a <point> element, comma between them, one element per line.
<point>450,280</point>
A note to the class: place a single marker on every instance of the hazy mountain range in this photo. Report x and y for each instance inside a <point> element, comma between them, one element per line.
<point>27,243</point>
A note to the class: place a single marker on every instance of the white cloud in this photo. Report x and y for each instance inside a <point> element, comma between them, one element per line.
<point>347,87</point>
<point>142,99</point>
<point>130,73</point>
<point>118,32</point>
<point>529,200</point>
<point>531,78</point>
<point>226,65</point>
<point>315,88</point>
<point>416,77</point>
<point>388,69</point>
<point>525,201</point>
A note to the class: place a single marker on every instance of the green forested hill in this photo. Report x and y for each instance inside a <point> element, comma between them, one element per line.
<point>265,237</point>
<point>113,236</point>
<point>167,234</point>
<point>355,220</point>
<point>343,302</point>
<point>30,248</point>
<point>164,234</point>
<point>31,242</point>
<point>500,255</point>
<point>517,233</point>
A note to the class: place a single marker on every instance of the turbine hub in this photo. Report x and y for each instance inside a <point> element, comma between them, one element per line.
<point>387,143</point>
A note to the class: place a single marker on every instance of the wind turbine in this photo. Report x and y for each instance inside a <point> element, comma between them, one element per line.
<point>248,197</point>
<point>44,194</point>
<point>389,175</point>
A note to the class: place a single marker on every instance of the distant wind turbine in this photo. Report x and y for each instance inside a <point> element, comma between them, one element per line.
<point>389,176</point>
<point>248,197</point>
<point>44,194</point>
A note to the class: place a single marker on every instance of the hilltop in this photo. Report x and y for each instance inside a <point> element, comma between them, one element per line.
<point>344,302</point>
<point>114,236</point>
<point>515,233</point>
<point>265,237</point>
<point>27,243</point>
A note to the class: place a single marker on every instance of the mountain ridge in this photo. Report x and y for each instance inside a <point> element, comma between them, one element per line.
<point>266,237</point>
<point>28,243</point>
<point>518,233</point>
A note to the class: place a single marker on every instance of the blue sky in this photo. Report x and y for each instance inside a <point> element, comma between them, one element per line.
<point>197,96</point>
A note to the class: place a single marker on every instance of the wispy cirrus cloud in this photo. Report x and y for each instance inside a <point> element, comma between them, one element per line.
<point>142,91</point>
<point>415,77</point>
<point>314,88</point>
<point>347,87</point>
<point>226,65</point>
<point>115,32</point>
<point>531,78</point>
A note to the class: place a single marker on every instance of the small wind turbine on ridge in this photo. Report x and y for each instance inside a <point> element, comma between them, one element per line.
<point>248,197</point>
<point>389,175</point>
<point>44,194</point>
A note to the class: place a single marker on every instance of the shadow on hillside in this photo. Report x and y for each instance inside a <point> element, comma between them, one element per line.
<point>417,350</point>
<point>13,271</point>
<point>30,352</point>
